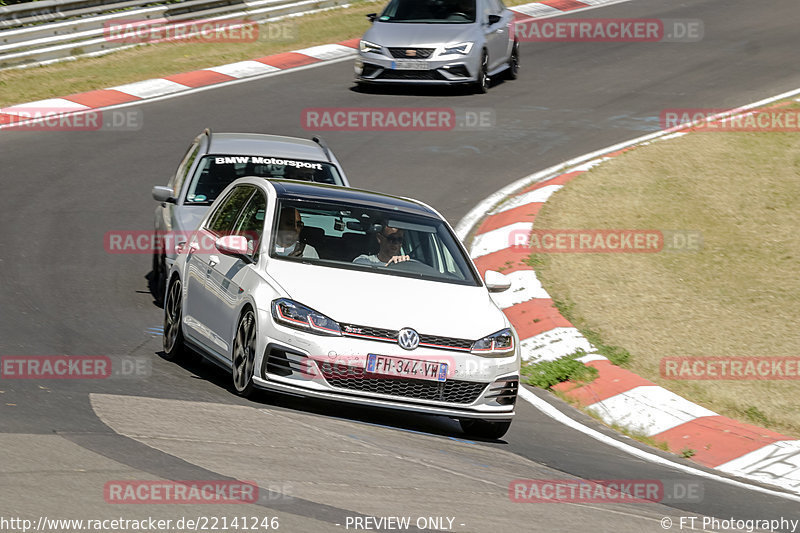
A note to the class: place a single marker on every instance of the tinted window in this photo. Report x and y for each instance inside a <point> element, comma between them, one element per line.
<point>186,163</point>
<point>349,236</point>
<point>215,172</point>
<point>223,219</point>
<point>251,222</point>
<point>429,11</point>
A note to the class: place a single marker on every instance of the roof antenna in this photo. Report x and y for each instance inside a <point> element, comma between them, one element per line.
<point>317,139</point>
<point>207,131</point>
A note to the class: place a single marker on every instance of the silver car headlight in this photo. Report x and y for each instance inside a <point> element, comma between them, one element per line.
<point>366,46</point>
<point>459,49</point>
<point>500,344</point>
<point>298,316</point>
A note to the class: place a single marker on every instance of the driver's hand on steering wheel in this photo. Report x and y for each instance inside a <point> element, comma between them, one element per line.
<point>398,259</point>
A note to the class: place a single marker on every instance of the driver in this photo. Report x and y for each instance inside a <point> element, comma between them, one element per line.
<point>390,241</point>
<point>287,240</point>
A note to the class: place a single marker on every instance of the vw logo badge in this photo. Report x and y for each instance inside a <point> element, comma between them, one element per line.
<point>408,339</point>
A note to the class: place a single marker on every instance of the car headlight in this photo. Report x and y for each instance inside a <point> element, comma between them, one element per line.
<point>366,46</point>
<point>461,49</point>
<point>500,344</point>
<point>298,316</point>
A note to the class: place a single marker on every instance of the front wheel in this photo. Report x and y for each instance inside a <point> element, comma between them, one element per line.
<point>513,63</point>
<point>244,354</point>
<point>485,429</point>
<point>482,83</point>
<point>174,347</point>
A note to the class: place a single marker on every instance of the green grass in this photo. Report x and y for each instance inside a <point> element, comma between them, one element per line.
<point>737,295</point>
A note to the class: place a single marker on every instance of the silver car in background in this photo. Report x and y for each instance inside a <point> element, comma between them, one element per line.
<point>214,161</point>
<point>439,42</point>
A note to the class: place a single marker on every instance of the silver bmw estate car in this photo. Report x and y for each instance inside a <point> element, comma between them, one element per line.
<point>212,162</point>
<point>345,295</point>
<point>439,42</point>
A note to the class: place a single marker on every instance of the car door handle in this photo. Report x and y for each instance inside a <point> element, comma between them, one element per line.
<point>213,261</point>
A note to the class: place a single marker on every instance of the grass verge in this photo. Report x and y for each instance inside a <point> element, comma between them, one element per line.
<point>737,296</point>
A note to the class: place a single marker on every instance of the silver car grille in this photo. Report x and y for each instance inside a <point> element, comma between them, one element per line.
<point>411,53</point>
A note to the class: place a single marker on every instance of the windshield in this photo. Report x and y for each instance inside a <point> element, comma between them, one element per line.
<point>430,11</point>
<point>215,172</point>
<point>356,237</point>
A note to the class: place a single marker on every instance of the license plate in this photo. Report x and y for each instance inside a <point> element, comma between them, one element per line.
<point>409,368</point>
<point>410,64</point>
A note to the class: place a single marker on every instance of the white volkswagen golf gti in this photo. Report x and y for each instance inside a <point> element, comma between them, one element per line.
<point>347,295</point>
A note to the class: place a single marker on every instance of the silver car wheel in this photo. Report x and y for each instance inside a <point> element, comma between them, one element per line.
<point>173,309</point>
<point>244,354</point>
<point>482,85</point>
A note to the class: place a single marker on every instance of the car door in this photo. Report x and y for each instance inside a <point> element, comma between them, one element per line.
<point>199,305</point>
<point>497,34</point>
<point>226,279</point>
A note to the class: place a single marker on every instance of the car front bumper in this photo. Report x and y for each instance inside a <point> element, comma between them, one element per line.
<point>375,68</point>
<point>332,368</point>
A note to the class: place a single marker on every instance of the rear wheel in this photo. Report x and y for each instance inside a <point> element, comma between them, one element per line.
<point>485,429</point>
<point>482,83</point>
<point>513,63</point>
<point>244,354</point>
<point>174,347</point>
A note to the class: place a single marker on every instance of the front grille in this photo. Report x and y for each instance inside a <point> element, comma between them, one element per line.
<point>448,342</point>
<point>277,362</point>
<point>354,378</point>
<point>351,330</point>
<point>390,335</point>
<point>418,53</point>
<point>504,391</point>
<point>390,74</point>
<point>369,70</point>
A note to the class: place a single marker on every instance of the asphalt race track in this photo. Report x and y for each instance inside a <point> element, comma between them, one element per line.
<point>318,464</point>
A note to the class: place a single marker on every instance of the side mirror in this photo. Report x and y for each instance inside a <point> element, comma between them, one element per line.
<point>372,16</point>
<point>494,19</point>
<point>496,282</point>
<point>234,245</point>
<point>163,194</point>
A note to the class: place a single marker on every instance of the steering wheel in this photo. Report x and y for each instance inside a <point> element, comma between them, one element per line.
<point>413,265</point>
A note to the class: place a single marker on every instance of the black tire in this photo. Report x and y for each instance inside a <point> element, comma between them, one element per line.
<point>485,429</point>
<point>482,83</point>
<point>244,354</point>
<point>512,72</point>
<point>174,346</point>
<point>159,277</point>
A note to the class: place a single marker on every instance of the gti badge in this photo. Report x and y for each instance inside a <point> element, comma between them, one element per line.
<point>408,339</point>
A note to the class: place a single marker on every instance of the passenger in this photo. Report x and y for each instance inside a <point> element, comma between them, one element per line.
<point>390,241</point>
<point>286,241</point>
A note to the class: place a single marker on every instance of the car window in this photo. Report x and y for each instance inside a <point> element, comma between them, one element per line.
<point>223,219</point>
<point>358,237</point>
<point>428,12</point>
<point>215,172</point>
<point>176,183</point>
<point>251,223</point>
